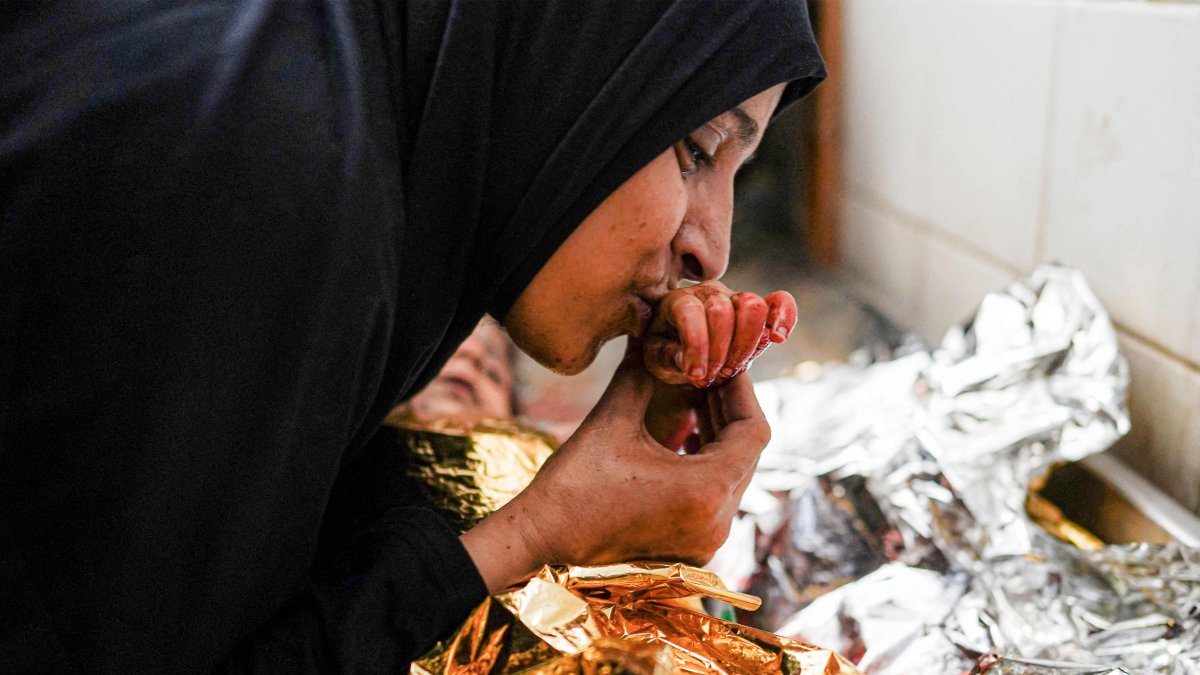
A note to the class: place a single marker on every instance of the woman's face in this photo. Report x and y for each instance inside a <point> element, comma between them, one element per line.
<point>670,221</point>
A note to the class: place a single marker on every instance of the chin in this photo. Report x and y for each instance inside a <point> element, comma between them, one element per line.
<point>570,360</point>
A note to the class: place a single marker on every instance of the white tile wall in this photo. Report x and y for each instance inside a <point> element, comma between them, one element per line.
<point>989,91</point>
<point>1124,190</point>
<point>954,283</point>
<point>1165,405</point>
<point>885,255</point>
<point>883,84</point>
<point>984,136</point>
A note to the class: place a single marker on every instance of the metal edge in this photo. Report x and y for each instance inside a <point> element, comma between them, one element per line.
<point>1180,523</point>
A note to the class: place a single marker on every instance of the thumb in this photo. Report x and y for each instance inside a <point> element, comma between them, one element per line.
<point>745,431</point>
<point>631,386</point>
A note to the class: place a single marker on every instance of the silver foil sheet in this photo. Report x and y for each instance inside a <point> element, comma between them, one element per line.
<point>887,517</point>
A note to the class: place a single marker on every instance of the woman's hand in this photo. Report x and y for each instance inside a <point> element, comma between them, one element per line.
<point>706,334</point>
<point>614,492</point>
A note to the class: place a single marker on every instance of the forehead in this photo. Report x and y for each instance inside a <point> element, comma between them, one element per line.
<point>492,337</point>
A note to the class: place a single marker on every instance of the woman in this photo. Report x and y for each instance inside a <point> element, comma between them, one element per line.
<point>235,234</point>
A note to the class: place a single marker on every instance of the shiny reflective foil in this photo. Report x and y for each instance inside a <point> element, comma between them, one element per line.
<point>894,516</point>
<point>621,618</point>
<point>626,618</point>
<point>469,468</point>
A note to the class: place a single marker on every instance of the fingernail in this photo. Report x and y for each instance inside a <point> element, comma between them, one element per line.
<point>679,359</point>
<point>727,372</point>
<point>781,332</point>
<point>697,373</point>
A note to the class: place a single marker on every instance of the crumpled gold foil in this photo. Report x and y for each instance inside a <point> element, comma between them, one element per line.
<point>634,618</point>
<point>625,618</point>
<point>469,468</point>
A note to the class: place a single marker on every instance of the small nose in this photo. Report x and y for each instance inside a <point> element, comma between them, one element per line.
<point>702,243</point>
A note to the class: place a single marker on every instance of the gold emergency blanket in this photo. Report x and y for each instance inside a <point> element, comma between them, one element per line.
<point>625,618</point>
<point>469,468</point>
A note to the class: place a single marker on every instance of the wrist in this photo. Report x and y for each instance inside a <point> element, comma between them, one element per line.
<point>506,547</point>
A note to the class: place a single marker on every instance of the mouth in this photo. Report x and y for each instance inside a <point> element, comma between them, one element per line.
<point>460,389</point>
<point>642,311</point>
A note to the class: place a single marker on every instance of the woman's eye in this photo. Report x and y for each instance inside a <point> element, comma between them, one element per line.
<point>494,375</point>
<point>692,156</point>
<point>699,155</point>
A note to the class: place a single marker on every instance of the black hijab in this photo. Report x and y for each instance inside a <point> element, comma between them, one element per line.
<point>235,233</point>
<point>535,111</point>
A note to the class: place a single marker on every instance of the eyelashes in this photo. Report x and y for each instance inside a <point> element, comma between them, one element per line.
<point>691,156</point>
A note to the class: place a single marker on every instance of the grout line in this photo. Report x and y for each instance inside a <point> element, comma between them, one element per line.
<point>1155,346</point>
<point>1048,145</point>
<point>922,228</point>
<point>882,207</point>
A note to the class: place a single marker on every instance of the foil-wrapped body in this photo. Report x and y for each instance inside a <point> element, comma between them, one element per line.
<point>466,469</point>
<point>625,618</point>
<point>888,518</point>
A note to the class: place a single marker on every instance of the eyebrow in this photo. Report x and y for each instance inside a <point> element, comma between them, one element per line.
<point>747,130</point>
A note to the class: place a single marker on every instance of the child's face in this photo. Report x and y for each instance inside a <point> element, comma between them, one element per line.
<point>476,382</point>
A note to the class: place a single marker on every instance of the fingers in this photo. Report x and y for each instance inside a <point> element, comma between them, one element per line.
<point>720,315</point>
<point>687,314</point>
<point>705,334</point>
<point>751,317</point>
<point>663,358</point>
<point>628,393</point>
<point>781,317</point>
<point>744,432</point>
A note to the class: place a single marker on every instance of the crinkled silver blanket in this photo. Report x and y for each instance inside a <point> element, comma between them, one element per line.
<point>887,520</point>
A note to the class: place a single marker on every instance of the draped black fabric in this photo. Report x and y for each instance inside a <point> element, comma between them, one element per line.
<point>234,233</point>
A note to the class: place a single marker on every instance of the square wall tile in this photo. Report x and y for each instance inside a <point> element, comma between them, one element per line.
<point>954,283</point>
<point>1164,401</point>
<point>883,77</point>
<point>884,256</point>
<point>990,75</point>
<point>1124,184</point>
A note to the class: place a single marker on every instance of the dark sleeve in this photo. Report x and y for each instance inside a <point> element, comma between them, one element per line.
<point>380,601</point>
<point>197,292</point>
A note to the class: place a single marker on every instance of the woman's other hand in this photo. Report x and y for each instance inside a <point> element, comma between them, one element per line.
<point>613,492</point>
<point>706,334</point>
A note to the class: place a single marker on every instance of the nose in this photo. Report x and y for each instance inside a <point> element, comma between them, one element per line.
<point>701,247</point>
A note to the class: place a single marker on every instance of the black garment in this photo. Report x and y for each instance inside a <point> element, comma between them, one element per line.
<point>234,233</point>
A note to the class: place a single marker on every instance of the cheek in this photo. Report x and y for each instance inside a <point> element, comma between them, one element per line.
<point>581,297</point>
<point>654,209</point>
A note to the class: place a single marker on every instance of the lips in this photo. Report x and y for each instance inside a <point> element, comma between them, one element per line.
<point>643,312</point>
<point>460,388</point>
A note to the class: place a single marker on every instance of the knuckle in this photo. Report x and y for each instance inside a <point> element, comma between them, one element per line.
<point>691,302</point>
<point>755,303</point>
<point>760,434</point>
<point>716,306</point>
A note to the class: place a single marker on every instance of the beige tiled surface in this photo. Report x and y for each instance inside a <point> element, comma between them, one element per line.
<point>884,255</point>
<point>1124,192</point>
<point>1164,443</point>
<point>883,80</point>
<point>955,283</point>
<point>1036,130</point>
<point>987,111</point>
